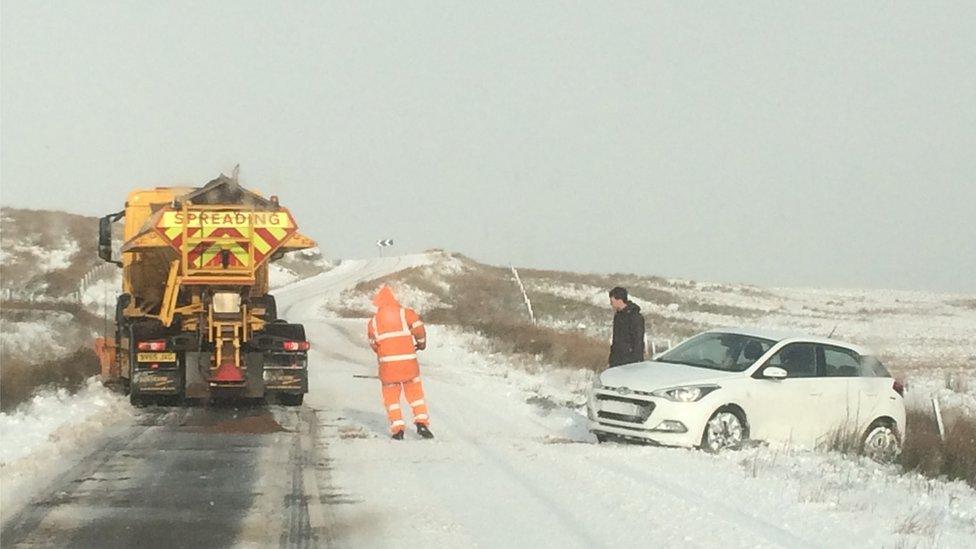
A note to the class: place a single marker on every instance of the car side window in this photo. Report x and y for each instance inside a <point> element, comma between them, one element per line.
<point>798,359</point>
<point>841,362</point>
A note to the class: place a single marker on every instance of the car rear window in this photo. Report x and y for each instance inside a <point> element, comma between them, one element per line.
<point>872,367</point>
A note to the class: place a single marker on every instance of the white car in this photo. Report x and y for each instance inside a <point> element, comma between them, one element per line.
<point>721,388</point>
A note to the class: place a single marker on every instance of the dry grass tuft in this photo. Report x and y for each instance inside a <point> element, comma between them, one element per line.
<point>20,380</point>
<point>924,451</point>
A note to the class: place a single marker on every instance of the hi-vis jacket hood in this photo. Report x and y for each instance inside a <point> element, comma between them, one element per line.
<point>385,298</point>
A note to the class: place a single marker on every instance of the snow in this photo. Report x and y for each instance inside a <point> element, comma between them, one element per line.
<point>46,260</point>
<point>38,435</point>
<point>279,276</point>
<point>100,295</point>
<point>36,339</point>
<point>955,392</point>
<point>315,257</point>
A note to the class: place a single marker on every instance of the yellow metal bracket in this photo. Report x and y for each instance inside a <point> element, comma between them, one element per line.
<point>168,308</point>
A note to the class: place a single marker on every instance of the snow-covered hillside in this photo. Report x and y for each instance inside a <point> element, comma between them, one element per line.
<point>927,339</point>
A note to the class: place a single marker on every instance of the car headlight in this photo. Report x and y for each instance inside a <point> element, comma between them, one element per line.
<point>690,393</point>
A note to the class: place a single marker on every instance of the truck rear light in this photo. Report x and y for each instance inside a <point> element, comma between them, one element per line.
<point>158,345</point>
<point>899,387</point>
<point>295,345</point>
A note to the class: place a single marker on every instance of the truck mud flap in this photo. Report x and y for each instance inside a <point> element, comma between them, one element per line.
<point>197,363</point>
<point>157,382</point>
<point>285,380</point>
<point>286,372</point>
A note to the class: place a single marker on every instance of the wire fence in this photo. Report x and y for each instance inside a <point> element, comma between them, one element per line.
<point>93,276</point>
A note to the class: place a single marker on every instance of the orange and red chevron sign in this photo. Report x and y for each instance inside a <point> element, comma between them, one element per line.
<point>210,232</point>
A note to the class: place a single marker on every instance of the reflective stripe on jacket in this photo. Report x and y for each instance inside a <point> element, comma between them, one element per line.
<point>394,333</point>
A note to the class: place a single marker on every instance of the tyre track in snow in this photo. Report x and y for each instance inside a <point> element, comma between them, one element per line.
<point>603,475</point>
<point>666,487</point>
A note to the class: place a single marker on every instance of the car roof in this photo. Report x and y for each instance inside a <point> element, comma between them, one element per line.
<point>793,337</point>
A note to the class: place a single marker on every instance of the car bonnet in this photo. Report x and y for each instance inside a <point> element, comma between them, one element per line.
<point>651,376</point>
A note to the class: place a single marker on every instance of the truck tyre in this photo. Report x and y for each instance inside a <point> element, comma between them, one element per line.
<point>289,399</point>
<point>137,400</point>
<point>270,306</point>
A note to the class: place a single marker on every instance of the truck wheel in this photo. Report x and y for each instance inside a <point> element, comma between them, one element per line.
<point>289,399</point>
<point>137,400</point>
<point>270,306</point>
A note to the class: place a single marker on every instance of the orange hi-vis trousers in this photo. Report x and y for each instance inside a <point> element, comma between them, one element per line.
<point>413,390</point>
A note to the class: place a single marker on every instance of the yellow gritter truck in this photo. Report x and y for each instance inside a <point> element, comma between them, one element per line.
<point>194,319</point>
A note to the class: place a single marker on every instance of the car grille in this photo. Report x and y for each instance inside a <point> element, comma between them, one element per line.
<point>644,409</point>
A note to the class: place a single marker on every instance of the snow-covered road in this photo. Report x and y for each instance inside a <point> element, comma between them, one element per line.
<point>508,468</point>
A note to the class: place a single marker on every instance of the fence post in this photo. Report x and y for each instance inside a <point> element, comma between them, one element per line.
<point>525,296</point>
<point>938,417</point>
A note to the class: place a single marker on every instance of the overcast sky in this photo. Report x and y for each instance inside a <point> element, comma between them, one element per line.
<point>773,143</point>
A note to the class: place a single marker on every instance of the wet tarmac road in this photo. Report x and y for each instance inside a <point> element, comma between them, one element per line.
<point>190,477</point>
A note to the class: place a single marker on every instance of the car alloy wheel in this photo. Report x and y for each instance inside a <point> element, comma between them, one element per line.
<point>881,444</point>
<point>723,432</point>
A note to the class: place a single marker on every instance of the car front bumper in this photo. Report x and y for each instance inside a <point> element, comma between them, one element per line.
<point>656,420</point>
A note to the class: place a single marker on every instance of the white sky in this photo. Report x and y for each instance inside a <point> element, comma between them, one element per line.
<point>825,144</point>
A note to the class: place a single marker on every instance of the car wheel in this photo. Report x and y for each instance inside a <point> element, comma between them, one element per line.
<point>881,442</point>
<point>724,431</point>
<point>600,439</point>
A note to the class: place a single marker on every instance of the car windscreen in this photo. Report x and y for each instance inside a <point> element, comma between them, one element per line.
<point>718,351</point>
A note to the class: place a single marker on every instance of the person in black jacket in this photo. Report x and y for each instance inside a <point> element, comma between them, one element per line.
<point>628,330</point>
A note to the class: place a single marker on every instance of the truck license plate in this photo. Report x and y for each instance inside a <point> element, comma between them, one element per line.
<point>156,357</point>
<point>617,407</point>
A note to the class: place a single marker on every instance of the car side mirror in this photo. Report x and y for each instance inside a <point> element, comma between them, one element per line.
<point>775,372</point>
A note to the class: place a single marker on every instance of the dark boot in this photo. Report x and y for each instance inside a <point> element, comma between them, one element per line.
<point>423,431</point>
<point>398,435</point>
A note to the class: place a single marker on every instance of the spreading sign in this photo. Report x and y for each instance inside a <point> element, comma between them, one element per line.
<point>207,233</point>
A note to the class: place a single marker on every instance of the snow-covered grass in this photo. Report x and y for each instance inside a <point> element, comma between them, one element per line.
<point>36,338</point>
<point>922,337</point>
<point>887,505</point>
<point>46,259</point>
<point>100,296</point>
<point>35,437</point>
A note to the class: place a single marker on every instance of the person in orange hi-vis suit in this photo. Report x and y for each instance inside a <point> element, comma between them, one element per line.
<point>396,333</point>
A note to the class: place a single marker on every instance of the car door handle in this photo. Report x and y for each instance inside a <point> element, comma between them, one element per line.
<point>817,394</point>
